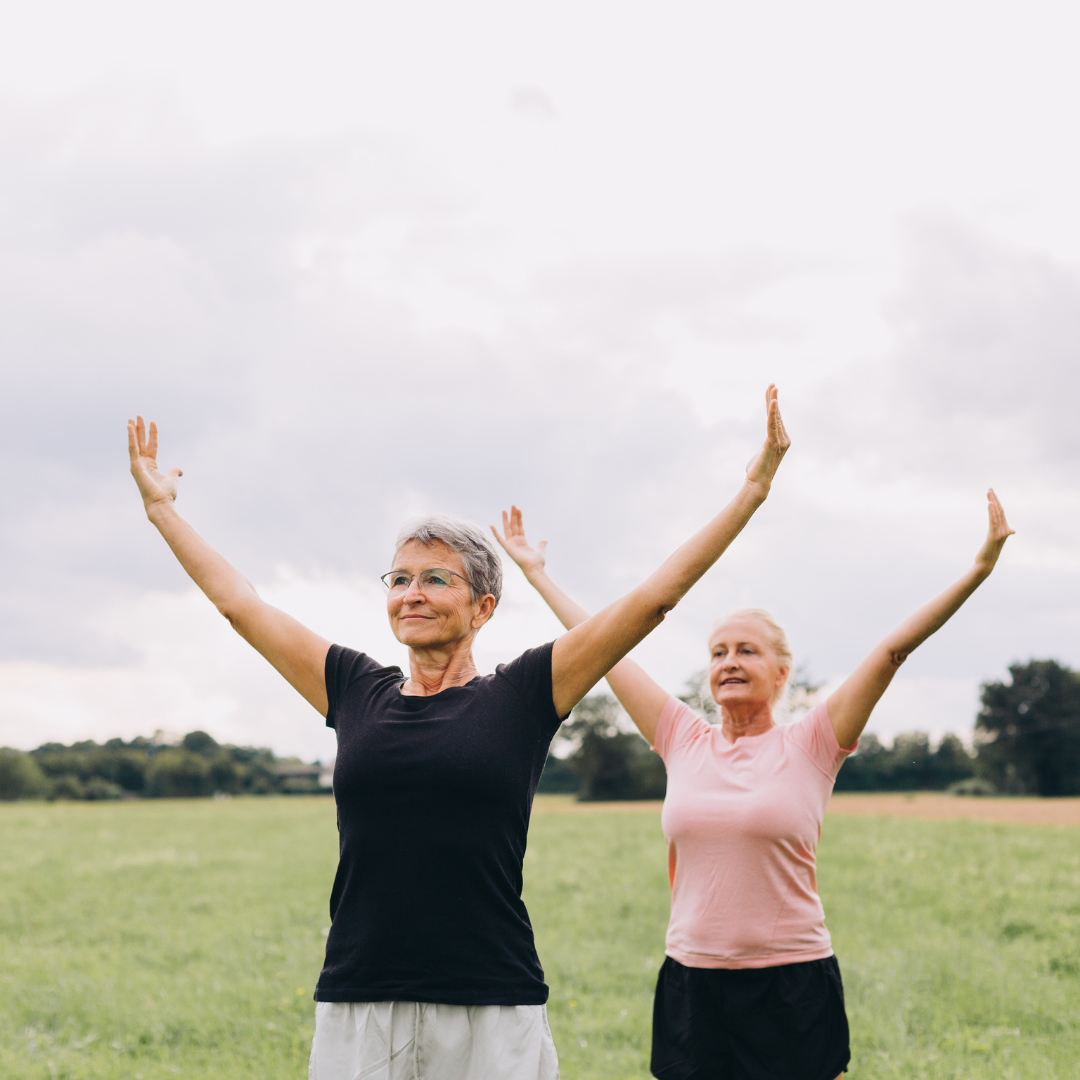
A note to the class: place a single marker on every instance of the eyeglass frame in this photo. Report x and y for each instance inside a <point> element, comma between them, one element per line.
<point>416,578</point>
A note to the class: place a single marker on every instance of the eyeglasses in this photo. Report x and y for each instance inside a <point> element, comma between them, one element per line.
<point>432,581</point>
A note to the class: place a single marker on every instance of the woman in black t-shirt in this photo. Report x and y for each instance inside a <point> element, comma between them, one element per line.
<point>430,963</point>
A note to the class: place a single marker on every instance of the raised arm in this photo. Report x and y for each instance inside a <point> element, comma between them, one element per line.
<point>639,695</point>
<point>851,705</point>
<point>586,653</point>
<point>291,647</point>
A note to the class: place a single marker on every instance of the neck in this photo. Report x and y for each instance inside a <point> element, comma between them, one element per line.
<point>746,718</point>
<point>438,668</point>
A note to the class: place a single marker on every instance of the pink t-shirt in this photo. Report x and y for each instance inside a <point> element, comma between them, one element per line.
<point>742,822</point>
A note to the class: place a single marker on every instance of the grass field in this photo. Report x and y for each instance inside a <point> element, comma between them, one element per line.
<point>151,940</point>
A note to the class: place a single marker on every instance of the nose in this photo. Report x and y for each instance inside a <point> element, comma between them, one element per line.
<point>413,594</point>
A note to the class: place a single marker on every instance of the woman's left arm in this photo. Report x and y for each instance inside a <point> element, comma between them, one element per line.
<point>851,705</point>
<point>585,654</point>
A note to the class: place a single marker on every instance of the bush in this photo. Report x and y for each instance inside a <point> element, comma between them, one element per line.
<point>974,785</point>
<point>20,776</point>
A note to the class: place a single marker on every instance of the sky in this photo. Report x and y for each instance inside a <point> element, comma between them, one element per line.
<point>363,261</point>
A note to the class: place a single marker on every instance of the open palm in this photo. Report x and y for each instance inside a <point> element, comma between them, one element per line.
<point>515,545</point>
<point>154,485</point>
<point>996,535</point>
<point>762,468</point>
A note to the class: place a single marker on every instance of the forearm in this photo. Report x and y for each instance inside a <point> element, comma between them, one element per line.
<point>568,611</point>
<point>684,567</point>
<point>594,647</point>
<point>850,707</point>
<point>222,583</point>
<point>931,617</point>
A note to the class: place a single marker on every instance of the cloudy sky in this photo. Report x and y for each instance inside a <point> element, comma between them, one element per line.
<point>366,260</point>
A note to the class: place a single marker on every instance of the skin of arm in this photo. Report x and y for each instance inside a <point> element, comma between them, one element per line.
<point>297,653</point>
<point>590,649</point>
<point>851,705</point>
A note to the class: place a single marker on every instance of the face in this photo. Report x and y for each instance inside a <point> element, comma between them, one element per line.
<point>428,618</point>
<point>743,669</point>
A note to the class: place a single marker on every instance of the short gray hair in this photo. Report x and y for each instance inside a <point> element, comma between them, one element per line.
<point>483,567</point>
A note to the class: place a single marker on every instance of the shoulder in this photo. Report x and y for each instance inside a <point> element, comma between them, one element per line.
<point>815,736</point>
<point>346,667</point>
<point>678,727</point>
<point>532,669</point>
<point>528,678</point>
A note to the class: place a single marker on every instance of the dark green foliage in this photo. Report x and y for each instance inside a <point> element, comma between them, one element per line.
<point>20,776</point>
<point>178,773</point>
<point>1028,730</point>
<point>198,766</point>
<point>909,765</point>
<point>608,762</point>
<point>558,778</point>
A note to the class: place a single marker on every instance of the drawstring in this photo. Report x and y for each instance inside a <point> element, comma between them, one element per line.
<point>390,1043</point>
<point>415,1042</point>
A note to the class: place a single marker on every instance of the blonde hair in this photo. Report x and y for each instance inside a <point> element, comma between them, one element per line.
<point>774,635</point>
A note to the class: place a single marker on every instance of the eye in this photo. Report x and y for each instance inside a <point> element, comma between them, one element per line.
<point>399,581</point>
<point>439,578</point>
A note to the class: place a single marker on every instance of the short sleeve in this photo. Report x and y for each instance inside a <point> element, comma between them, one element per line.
<point>343,667</point>
<point>530,675</point>
<point>678,725</point>
<point>815,736</point>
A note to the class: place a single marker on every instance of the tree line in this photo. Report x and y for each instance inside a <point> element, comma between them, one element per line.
<point>1027,742</point>
<point>149,768</point>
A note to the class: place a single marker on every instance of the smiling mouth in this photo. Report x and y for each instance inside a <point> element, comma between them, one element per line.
<point>733,682</point>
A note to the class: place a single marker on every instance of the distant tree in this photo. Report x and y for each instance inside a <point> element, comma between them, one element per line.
<point>910,764</point>
<point>1028,730</point>
<point>20,776</point>
<point>611,763</point>
<point>198,742</point>
<point>558,778</point>
<point>178,773</point>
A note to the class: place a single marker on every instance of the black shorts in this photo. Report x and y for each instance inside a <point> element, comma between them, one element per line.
<point>775,1023</point>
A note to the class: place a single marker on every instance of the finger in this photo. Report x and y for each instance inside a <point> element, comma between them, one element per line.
<point>515,515</point>
<point>151,446</point>
<point>541,547</point>
<point>133,446</point>
<point>140,431</point>
<point>175,473</point>
<point>498,537</point>
<point>506,523</point>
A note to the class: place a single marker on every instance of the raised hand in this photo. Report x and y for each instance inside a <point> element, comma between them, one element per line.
<point>762,468</point>
<point>154,485</point>
<point>996,536</point>
<point>515,545</point>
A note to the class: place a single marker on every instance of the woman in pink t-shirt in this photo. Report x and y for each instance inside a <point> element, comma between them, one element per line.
<point>750,989</point>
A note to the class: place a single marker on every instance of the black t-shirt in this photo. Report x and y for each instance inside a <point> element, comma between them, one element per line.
<point>433,798</point>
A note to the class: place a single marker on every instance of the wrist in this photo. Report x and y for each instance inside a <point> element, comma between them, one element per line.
<point>757,489</point>
<point>160,509</point>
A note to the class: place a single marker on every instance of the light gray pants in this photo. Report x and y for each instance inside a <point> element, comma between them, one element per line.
<point>409,1040</point>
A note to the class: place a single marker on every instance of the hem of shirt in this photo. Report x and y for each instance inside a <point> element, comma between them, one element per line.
<point>731,963</point>
<point>358,995</point>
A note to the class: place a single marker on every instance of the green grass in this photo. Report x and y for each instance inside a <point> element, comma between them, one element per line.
<point>148,940</point>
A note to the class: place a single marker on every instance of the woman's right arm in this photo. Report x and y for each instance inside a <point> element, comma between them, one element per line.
<point>297,653</point>
<point>639,695</point>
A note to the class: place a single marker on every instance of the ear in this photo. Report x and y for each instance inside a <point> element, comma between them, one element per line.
<point>484,610</point>
<point>782,676</point>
